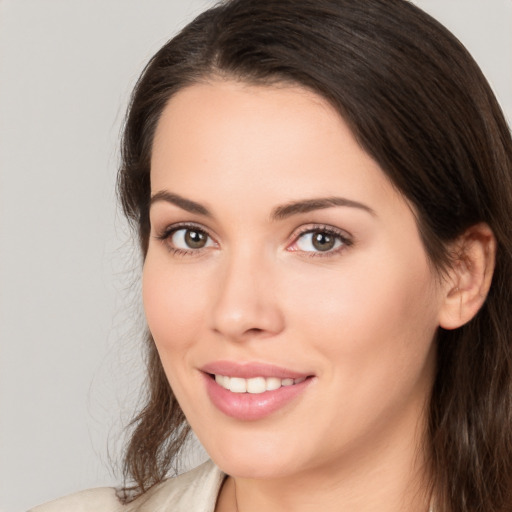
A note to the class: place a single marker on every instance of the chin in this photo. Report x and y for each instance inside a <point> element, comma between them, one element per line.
<point>253,469</point>
<point>259,459</point>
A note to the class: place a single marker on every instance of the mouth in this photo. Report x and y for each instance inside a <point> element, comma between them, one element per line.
<point>254,385</point>
<point>250,392</point>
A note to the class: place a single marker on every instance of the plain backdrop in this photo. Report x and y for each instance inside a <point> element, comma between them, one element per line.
<point>70,356</point>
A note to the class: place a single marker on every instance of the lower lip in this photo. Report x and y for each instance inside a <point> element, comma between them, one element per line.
<point>252,406</point>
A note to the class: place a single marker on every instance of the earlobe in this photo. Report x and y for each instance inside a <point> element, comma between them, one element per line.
<point>469,277</point>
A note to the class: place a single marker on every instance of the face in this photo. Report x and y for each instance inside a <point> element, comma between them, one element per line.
<point>285,285</point>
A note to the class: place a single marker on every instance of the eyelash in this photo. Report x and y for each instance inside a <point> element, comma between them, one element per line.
<point>342,236</point>
<point>166,234</point>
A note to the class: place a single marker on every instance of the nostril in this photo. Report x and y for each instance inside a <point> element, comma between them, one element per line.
<point>254,330</point>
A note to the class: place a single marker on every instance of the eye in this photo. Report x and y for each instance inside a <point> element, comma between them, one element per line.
<point>190,238</point>
<point>320,240</point>
<point>186,239</point>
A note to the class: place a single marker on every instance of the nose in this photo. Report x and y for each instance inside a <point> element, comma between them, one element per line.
<point>246,303</point>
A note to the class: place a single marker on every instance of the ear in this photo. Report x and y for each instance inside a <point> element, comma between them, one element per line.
<point>470,276</point>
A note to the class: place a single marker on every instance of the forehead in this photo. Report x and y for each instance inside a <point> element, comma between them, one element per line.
<point>237,139</point>
<point>240,110</point>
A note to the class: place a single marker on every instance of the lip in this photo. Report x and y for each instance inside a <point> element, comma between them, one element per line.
<point>248,406</point>
<point>251,370</point>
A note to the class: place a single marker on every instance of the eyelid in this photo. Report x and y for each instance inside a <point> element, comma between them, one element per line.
<point>165,234</point>
<point>346,238</point>
<point>343,235</point>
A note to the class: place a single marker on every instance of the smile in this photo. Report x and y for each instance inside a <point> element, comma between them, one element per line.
<point>253,391</point>
<point>255,385</point>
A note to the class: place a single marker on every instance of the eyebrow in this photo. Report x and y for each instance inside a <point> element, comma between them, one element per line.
<point>308,205</point>
<point>278,213</point>
<point>184,204</point>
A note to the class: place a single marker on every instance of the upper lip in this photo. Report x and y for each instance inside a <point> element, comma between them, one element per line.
<point>251,370</point>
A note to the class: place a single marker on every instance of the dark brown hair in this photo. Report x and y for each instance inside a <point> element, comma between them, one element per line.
<point>420,106</point>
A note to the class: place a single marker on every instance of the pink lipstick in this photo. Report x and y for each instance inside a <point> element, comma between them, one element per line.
<point>252,391</point>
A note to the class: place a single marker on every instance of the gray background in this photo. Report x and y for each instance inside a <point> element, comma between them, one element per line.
<point>69,353</point>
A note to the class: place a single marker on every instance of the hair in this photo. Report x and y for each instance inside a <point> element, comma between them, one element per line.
<point>419,105</point>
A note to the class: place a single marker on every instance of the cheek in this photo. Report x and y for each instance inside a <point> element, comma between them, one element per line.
<point>173,304</point>
<point>372,316</point>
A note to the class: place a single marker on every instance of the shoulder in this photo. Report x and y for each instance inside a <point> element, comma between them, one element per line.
<point>92,500</point>
<point>193,491</point>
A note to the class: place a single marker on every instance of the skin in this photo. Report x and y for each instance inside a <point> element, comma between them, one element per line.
<point>361,317</point>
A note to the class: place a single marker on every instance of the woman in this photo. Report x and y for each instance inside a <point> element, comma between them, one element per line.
<point>322,193</point>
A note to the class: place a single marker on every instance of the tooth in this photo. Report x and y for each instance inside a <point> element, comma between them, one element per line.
<point>272,383</point>
<point>256,385</point>
<point>222,381</point>
<point>237,385</point>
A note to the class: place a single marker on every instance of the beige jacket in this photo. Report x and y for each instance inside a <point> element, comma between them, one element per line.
<point>195,491</point>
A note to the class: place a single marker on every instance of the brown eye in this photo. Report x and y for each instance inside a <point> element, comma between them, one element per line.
<point>195,239</point>
<point>190,239</point>
<point>323,241</point>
